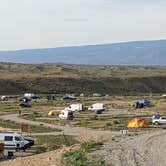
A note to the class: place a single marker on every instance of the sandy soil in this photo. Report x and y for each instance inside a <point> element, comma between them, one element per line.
<point>148,149</point>
<point>45,159</point>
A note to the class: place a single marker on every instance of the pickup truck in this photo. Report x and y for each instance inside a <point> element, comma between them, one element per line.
<point>158,121</point>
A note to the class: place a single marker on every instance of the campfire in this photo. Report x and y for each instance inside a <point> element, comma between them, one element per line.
<point>137,123</point>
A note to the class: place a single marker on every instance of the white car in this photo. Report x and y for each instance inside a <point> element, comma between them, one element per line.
<point>157,121</point>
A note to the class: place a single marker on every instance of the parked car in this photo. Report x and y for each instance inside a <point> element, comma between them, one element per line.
<point>30,140</point>
<point>69,97</point>
<point>24,99</point>
<point>159,121</point>
<point>14,141</point>
<point>156,116</point>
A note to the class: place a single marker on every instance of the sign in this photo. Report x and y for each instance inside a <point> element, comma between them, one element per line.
<point>24,128</point>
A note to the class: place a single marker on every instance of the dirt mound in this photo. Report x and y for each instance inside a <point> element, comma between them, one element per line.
<point>45,159</point>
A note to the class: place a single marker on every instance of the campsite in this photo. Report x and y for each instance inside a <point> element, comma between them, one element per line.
<point>98,122</point>
<point>80,125</point>
<point>83,83</point>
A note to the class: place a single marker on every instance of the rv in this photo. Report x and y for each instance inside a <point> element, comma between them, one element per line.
<point>65,114</point>
<point>75,107</point>
<point>98,108</point>
<point>14,141</point>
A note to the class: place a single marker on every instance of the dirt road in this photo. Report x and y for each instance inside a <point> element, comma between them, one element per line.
<point>83,134</point>
<point>148,149</point>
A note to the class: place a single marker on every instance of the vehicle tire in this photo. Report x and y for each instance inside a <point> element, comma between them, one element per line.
<point>156,123</point>
<point>17,148</point>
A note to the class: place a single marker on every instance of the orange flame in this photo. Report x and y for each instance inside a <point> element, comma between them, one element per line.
<point>137,123</point>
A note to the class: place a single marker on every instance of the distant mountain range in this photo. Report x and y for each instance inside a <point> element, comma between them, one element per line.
<point>129,53</point>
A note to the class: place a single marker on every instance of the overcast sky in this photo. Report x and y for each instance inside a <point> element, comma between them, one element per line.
<point>54,23</point>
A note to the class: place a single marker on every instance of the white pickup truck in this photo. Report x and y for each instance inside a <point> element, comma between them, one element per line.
<point>158,121</point>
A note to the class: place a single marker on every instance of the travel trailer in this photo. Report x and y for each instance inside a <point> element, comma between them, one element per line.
<point>75,107</point>
<point>66,114</point>
<point>98,107</point>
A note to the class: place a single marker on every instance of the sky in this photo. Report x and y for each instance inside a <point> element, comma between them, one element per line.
<point>28,24</point>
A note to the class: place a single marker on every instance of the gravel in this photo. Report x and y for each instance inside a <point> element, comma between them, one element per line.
<point>148,149</point>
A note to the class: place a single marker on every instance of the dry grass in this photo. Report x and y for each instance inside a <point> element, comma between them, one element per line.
<point>10,71</point>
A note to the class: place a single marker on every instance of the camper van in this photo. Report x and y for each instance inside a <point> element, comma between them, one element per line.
<point>75,107</point>
<point>14,141</point>
<point>66,114</point>
<point>98,107</point>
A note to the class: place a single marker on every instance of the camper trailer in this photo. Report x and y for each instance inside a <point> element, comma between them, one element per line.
<point>75,107</point>
<point>14,141</point>
<point>98,107</point>
<point>66,114</point>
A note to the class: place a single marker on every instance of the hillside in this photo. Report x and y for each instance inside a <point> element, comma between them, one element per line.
<point>58,78</point>
<point>129,53</point>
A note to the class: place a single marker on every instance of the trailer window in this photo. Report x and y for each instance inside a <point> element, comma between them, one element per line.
<point>8,138</point>
<point>163,118</point>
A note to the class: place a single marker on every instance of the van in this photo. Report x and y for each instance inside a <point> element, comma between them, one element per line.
<point>14,141</point>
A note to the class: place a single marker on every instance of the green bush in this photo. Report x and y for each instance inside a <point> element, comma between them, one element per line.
<point>79,157</point>
<point>51,142</point>
<point>116,122</point>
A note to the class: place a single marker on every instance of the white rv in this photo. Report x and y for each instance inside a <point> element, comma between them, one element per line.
<point>14,141</point>
<point>75,107</point>
<point>97,107</point>
<point>66,114</point>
